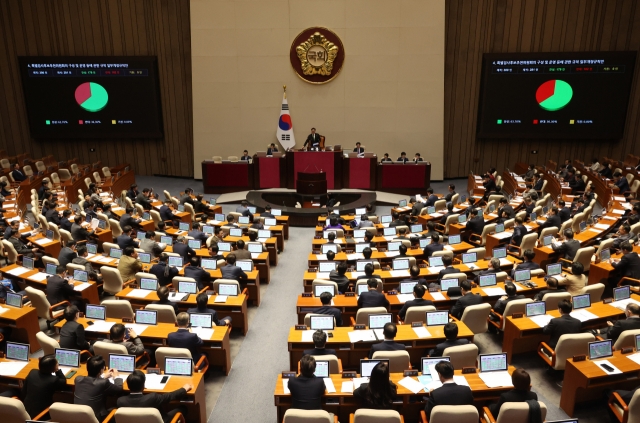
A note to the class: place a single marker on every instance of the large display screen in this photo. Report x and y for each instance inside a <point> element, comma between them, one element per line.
<point>555,95</point>
<point>92,97</point>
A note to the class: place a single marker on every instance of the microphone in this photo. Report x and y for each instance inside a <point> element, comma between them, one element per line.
<point>305,169</point>
<point>317,168</point>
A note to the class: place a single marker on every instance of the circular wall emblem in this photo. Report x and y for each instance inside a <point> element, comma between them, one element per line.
<point>317,55</point>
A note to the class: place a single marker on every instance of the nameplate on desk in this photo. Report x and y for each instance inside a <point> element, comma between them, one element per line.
<point>301,327</point>
<point>316,252</point>
<point>317,237</point>
<point>410,373</point>
<point>349,251</point>
<point>393,292</point>
<point>313,269</point>
<point>607,300</point>
<point>626,350</point>
<point>153,370</point>
<point>127,320</point>
<point>434,289</point>
<point>349,294</point>
<point>417,324</point>
<point>422,266</point>
<point>517,315</point>
<point>467,370</point>
<point>386,269</point>
<point>307,294</point>
<point>360,327</point>
<point>414,247</point>
<point>210,292</point>
<point>134,286</point>
<point>382,250</point>
<point>288,375</point>
<point>349,375</point>
<point>579,357</point>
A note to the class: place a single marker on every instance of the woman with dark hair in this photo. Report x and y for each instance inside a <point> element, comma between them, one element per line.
<point>380,391</point>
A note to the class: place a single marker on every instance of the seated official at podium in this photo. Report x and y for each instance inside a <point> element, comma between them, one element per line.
<point>313,140</point>
<point>403,157</point>
<point>386,158</point>
<point>272,149</point>
<point>358,149</point>
<point>245,156</point>
<point>417,158</point>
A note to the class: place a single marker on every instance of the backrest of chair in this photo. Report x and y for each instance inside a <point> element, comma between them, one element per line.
<point>217,282</point>
<point>189,209</point>
<point>462,355</point>
<point>528,242</point>
<point>293,415</point>
<point>460,276</point>
<point>366,415</point>
<point>47,343</point>
<point>105,348</point>
<point>634,408</point>
<point>39,301</point>
<point>626,339</point>
<point>537,209</point>
<point>65,236</point>
<point>515,306</point>
<point>334,363</point>
<point>116,230</point>
<point>635,229</point>
<point>27,170</point>
<point>141,275</point>
<point>490,228</point>
<point>455,198</point>
<point>107,246</point>
<point>117,309</point>
<point>112,280</point>
<point>501,276</point>
<point>97,177</point>
<point>43,221</point>
<point>71,413</point>
<point>12,254</point>
<point>138,414</point>
<point>548,231</point>
<point>56,231</point>
<point>362,316</point>
<point>417,314</point>
<point>13,411</point>
<point>480,252</point>
<point>577,219</point>
<point>451,219</point>
<point>475,317</point>
<point>552,299</point>
<point>457,413</point>
<point>163,352</point>
<point>323,282</point>
<point>166,313</point>
<point>583,255</point>
<point>139,209</point>
<point>440,205</point>
<point>490,203</point>
<point>398,360</point>
<point>570,345</point>
<point>518,412</point>
<point>443,253</point>
<point>595,291</point>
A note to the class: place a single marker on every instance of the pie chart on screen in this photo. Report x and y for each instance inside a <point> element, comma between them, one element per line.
<point>91,96</point>
<point>554,95</point>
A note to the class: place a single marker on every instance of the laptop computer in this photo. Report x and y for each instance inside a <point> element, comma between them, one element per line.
<point>252,209</point>
<point>361,246</point>
<point>102,224</point>
<point>327,266</point>
<point>141,235</point>
<point>499,253</point>
<point>228,289</point>
<point>361,211</point>
<point>264,234</point>
<point>245,265</point>
<point>605,255</point>
<point>276,212</point>
<point>148,284</point>
<point>554,269</point>
<point>219,217</point>
<point>144,257</point>
<point>212,201</point>
<point>80,275</point>
<point>454,239</point>
<point>547,240</point>
<point>581,301</point>
<point>243,220</point>
<point>50,269</point>
<point>402,203</point>
<point>621,293</point>
<point>462,218</point>
<point>97,312</point>
<point>195,244</point>
<point>180,207</point>
<point>207,229</point>
<point>201,320</point>
<point>360,264</point>
<point>415,229</point>
<point>366,366</point>
<point>322,368</point>
<point>427,362</point>
<point>186,287</point>
<point>377,321</point>
<point>168,240</point>
<point>637,342</point>
<point>493,362</point>
<point>387,218</point>
<point>400,264</point>
<point>115,253</point>
<point>235,232</point>
<point>17,351</point>
<point>445,284</point>
<point>522,275</point>
<point>499,228</point>
<point>487,280</point>
<point>437,318</point>
<point>123,363</point>
<point>535,309</point>
<point>359,233</point>
<point>319,289</point>
<point>92,248</point>
<point>407,287</point>
<point>600,349</point>
<point>389,231</point>
<point>178,366</point>
<point>68,358</point>
<point>394,246</point>
<point>361,288</point>
<point>469,258</point>
<point>329,247</point>
<point>184,226</point>
<point>13,299</point>
<point>28,262</point>
<point>583,226</point>
<point>435,261</point>
<point>424,242</point>
<point>270,221</point>
<point>321,322</point>
<point>209,264</point>
<point>431,210</point>
<point>224,247</point>
<point>175,261</point>
<point>147,317</point>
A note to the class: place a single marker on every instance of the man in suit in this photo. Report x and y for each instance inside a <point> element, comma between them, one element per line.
<point>365,222</point>
<point>272,149</point>
<point>417,158</point>
<point>386,158</point>
<point>143,199</point>
<point>451,335</point>
<point>417,208</point>
<point>196,233</point>
<point>202,300</point>
<point>565,324</point>
<point>564,212</point>
<point>150,246</point>
<point>629,265</point>
<point>267,212</point>
<point>52,214</point>
<point>306,389</point>
<point>418,301</point>
<point>81,259</point>
<point>59,289</point>
<point>537,182</point>
<point>67,254</point>
<point>414,272</point>
<point>26,249</point>
<point>575,182</point>
<point>452,191</point>
<point>512,294</point>
<point>182,247</point>
<point>231,271</point>
<point>243,207</point>
<point>448,268</point>
<point>623,235</point>
<point>431,198</point>
<point>389,331</point>
<point>553,220</point>
<point>620,182</point>
<point>319,343</point>
<point>527,264</point>
<point>41,384</point>
<point>132,343</point>
<point>449,212</point>
<point>245,156</point>
<point>371,297</point>
<point>489,185</point>
<point>614,330</point>
<point>184,338</point>
<point>434,246</point>
<point>135,382</point>
<point>313,140</point>
<point>193,270</point>
<point>65,223</point>
<point>338,276</point>
<point>129,264</point>
<point>78,232</point>
<point>505,211</point>
<point>166,214</point>
<point>186,198</point>
<point>475,224</point>
<point>127,219</point>
<point>449,393</point>
<point>93,389</point>
<point>242,253</point>
<point>403,157</point>
<point>127,238</point>
<point>325,299</point>
<point>17,174</point>
<point>467,299</point>
<point>552,288</point>
<point>163,271</point>
<point>569,247</point>
<point>580,206</point>
<point>72,334</point>
<point>521,391</point>
<point>133,192</point>
<point>492,269</point>
<point>358,149</point>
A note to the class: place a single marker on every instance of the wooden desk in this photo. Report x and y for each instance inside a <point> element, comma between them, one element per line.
<point>51,248</point>
<point>236,307</point>
<point>24,322</point>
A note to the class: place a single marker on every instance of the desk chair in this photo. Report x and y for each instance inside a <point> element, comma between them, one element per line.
<point>444,229</point>
<point>538,209</point>
<point>362,316</point>
<point>12,411</point>
<point>440,205</point>
<point>117,309</point>
<point>515,306</point>
<point>449,413</point>
<point>443,253</point>
<point>167,195</point>
<point>481,240</point>
<point>323,282</point>
<point>116,230</point>
<point>595,291</point>
<point>49,344</point>
<point>510,223</point>
<point>528,243</point>
<point>399,361</point>
<point>143,415</point>
<point>501,276</point>
<point>625,413</point>
<point>175,202</point>
<point>105,348</point>
<point>293,415</point>
<point>512,412</point>
<point>10,253</point>
<point>71,267</point>
<point>50,260</point>
<point>551,300</point>
<point>367,415</point>
<point>107,246</point>
<point>335,364</point>
<point>217,282</point>
<point>553,231</point>
<point>577,219</point>
<point>163,352</point>
<point>166,313</point>
<point>490,203</point>
<point>568,346</point>
<point>415,314</point>
<point>522,214</point>
<point>5,163</point>
<point>128,202</point>
<point>74,413</point>
<point>476,317</point>
<point>112,280</point>
<point>141,275</point>
<point>64,174</point>
<point>460,276</point>
<point>462,355</point>
<point>97,178</point>
<point>567,224</point>
<point>626,339</point>
<point>44,308</point>
<point>362,282</point>
<point>480,252</point>
<point>604,245</point>
<point>139,209</point>
<point>42,221</point>
<point>56,231</point>
<point>27,170</point>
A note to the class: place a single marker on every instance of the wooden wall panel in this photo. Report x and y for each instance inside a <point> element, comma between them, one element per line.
<point>102,28</point>
<point>475,27</point>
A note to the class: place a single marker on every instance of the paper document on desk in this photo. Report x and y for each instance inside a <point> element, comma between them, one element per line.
<point>389,238</point>
<point>12,368</point>
<point>4,309</point>
<point>541,320</point>
<point>437,296</point>
<point>81,286</point>
<point>255,255</point>
<point>104,259</point>
<point>503,235</point>
<point>460,380</point>
<point>601,226</point>
<point>519,287</point>
<point>117,209</point>
<point>285,386</point>
<point>40,276</point>
<point>609,218</point>
<point>399,273</point>
<point>494,292</point>
<point>328,384</point>
<point>220,299</point>
<point>152,381</point>
<point>355,256</point>
<point>616,211</point>
<point>379,334</point>
<point>615,371</point>
<point>357,381</point>
<point>619,198</point>
<point>437,214</point>
<point>496,379</point>
<point>138,293</point>
<point>403,298</point>
<point>307,335</point>
<point>203,333</point>
<point>138,329</point>
<point>99,326</point>
<point>17,271</point>
<point>212,222</point>
<point>622,304</point>
<point>505,262</point>
<point>43,241</point>
<point>322,275</point>
<point>583,315</point>
<point>347,387</point>
<point>598,231</point>
<point>448,248</point>
<point>392,253</point>
<point>422,332</point>
<point>435,269</point>
<point>411,384</point>
<point>357,274</point>
<point>361,336</point>
<point>321,257</point>
<point>634,357</point>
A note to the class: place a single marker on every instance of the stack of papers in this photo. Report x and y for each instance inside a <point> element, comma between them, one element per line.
<point>357,381</point>
<point>503,235</point>
<point>328,384</point>
<point>392,253</point>
<point>435,269</point>
<point>583,315</point>
<point>496,379</point>
<point>4,309</point>
<point>100,326</point>
<point>17,271</point>
<point>203,333</point>
<point>504,262</point>
<point>355,256</point>
<point>138,293</point>
<point>81,286</point>
<point>634,357</point>
<point>422,332</point>
<point>622,304</point>
<point>494,292</point>
<point>616,211</point>
<point>347,387</point>
<point>403,298</point>
<point>541,320</point>
<point>357,274</point>
<point>321,257</point>
<point>362,336</point>
<point>437,296</point>
<point>138,329</point>
<point>399,273</point>
<point>322,275</point>
<point>448,247</point>
<point>379,334</point>
<point>12,368</point>
<point>411,384</point>
<point>285,386</point>
<point>307,335</point>
<point>615,371</point>
<point>152,381</point>
<point>220,299</point>
<point>43,241</point>
<point>601,226</point>
<point>39,276</point>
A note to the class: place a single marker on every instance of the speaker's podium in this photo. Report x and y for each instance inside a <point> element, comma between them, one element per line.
<point>311,183</point>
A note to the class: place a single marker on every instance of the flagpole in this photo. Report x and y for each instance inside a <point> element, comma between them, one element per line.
<point>285,91</point>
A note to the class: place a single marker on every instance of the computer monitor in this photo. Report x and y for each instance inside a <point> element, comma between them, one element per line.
<point>276,212</point>
<point>245,265</point>
<point>621,293</point>
<point>431,361</point>
<point>402,203</point>
<point>50,269</point>
<point>327,266</point>
<point>102,224</point>
<point>437,318</point>
<point>360,265</point>
<point>252,209</point>
<point>361,288</point>
<point>445,284</point>
<point>431,210</point>
<point>424,242</point>
<point>148,284</point>
<point>224,247</point>
<point>96,312</point>
<point>554,269</point>
<point>208,229</point>
<point>359,233</point>
<point>186,287</point>
<point>366,366</point>
<point>92,248</point>
<point>407,287</point>
<point>122,362</point>
<point>201,320</point>
<point>115,253</point>
<point>581,301</point>
<point>146,216</point>
<point>219,217</point>
<point>435,261</point>
<point>583,226</point>
<point>488,280</point>
<point>386,218</point>
<point>499,252</point>
<point>499,228</point>
<point>605,254</point>
<point>600,349</point>
<point>209,264</point>
<point>377,321</point>
<point>14,300</point>
<point>243,220</point>
<point>361,246</point>
<point>270,221</point>
<point>416,229</point>
<point>181,208</point>
<point>80,275</point>
<point>144,257</point>
<point>322,369</point>
<point>183,226</point>
<point>195,244</point>
<point>493,362</point>
<point>389,231</point>
<point>212,201</point>
<point>394,246</point>
<point>28,262</point>
<point>235,232</point>
<point>178,366</point>
<point>462,218</point>
<point>264,234</point>
<point>16,351</point>
<point>228,289</point>
<point>329,247</point>
<point>147,317</point>
<point>400,264</point>
<point>68,358</point>
<point>168,240</point>
<point>637,342</point>
<point>361,211</point>
<point>535,309</point>
<point>492,208</point>
<point>141,235</point>
<point>469,258</point>
<point>319,289</point>
<point>522,275</point>
<point>49,234</point>
<point>547,240</point>
<point>454,239</point>
<point>175,261</point>
<point>322,322</point>
<point>545,210</point>
<point>533,216</point>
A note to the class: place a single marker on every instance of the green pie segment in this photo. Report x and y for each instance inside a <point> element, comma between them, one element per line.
<point>91,96</point>
<point>554,95</point>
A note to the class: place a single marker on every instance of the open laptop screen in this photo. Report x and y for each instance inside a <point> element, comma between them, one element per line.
<point>366,366</point>
<point>493,362</point>
<point>600,349</point>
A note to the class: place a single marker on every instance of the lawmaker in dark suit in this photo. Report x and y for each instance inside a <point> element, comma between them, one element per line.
<point>319,342</point>
<point>17,174</point>
<point>632,322</point>
<point>72,335</point>
<point>371,297</point>
<point>58,288</point>
<point>527,264</point>
<point>629,265</point>
<point>434,246</point>
<point>358,149</point>
<point>565,324</point>
<point>78,233</point>
<point>65,223</point>
<point>620,182</point>
<point>132,193</point>
<point>93,389</point>
<point>184,338</point>
<point>313,140</point>
<point>389,331</point>
<point>492,269</point>
<point>272,149</point>
<point>41,384</point>
<point>143,199</point>
<point>564,212</point>
<point>512,294</point>
<point>202,300</point>
<point>451,335</point>
<point>569,247</point>
<point>197,234</point>
<point>307,389</point>
<point>166,214</point>
<point>137,399</point>
<point>449,393</point>
<point>67,254</point>
<point>127,219</point>
<point>519,231</point>
<point>448,268</point>
<point>231,271</point>
<point>53,216</point>
<point>553,220</point>
<point>193,270</point>
<point>403,157</point>
<point>468,299</point>
<point>521,391</point>
<point>325,299</point>
<point>338,276</point>
<point>418,293</point>
<point>163,271</point>
<point>505,211</point>
<point>125,239</point>
<point>431,198</point>
<point>182,247</point>
<point>475,224</point>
